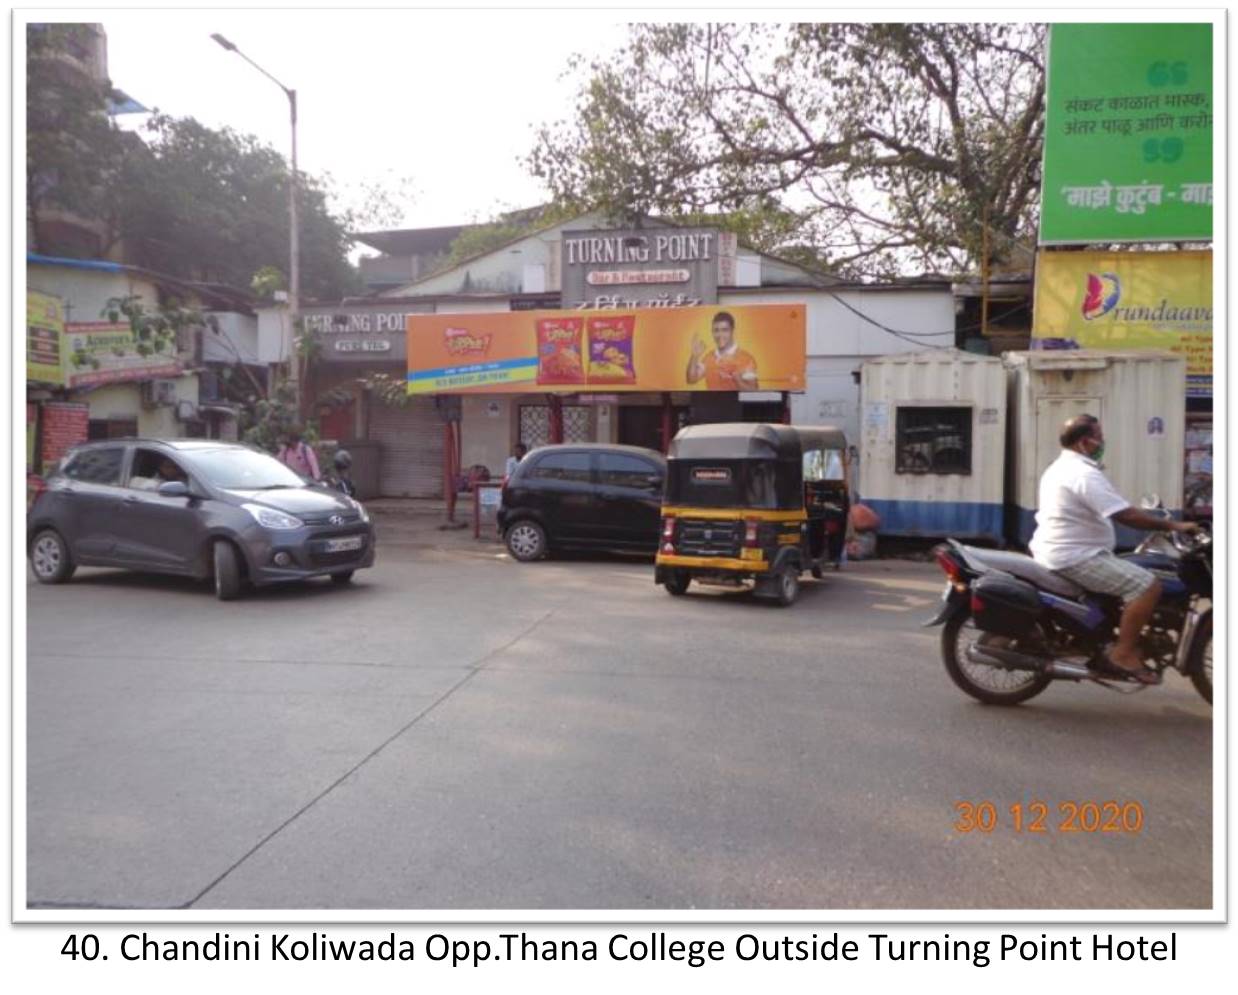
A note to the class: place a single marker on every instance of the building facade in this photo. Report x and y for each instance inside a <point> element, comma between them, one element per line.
<point>583,266</point>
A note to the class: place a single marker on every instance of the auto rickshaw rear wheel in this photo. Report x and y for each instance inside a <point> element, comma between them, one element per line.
<point>677,582</point>
<point>787,585</point>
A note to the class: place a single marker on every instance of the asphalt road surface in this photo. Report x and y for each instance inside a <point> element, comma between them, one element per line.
<point>458,731</point>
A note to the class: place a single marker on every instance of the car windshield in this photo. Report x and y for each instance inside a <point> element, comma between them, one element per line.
<point>244,470</point>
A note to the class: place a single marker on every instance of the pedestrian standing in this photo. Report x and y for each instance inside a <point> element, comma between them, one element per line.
<point>514,459</point>
<point>298,456</point>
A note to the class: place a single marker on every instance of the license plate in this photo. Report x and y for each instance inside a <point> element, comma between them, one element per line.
<point>343,545</point>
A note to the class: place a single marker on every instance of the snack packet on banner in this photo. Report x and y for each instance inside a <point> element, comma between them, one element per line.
<point>560,358</point>
<point>612,349</point>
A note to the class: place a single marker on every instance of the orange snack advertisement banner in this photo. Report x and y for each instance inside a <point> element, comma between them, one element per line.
<point>725,347</point>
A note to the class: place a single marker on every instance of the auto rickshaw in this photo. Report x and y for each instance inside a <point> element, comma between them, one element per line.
<point>753,504</point>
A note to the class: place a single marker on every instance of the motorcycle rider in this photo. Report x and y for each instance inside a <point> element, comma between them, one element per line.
<point>343,473</point>
<point>1075,537</point>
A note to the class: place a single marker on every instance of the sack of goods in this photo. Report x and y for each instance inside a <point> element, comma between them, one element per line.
<point>864,519</point>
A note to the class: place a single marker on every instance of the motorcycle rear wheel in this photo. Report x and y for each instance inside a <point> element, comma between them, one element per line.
<point>1200,667</point>
<point>990,685</point>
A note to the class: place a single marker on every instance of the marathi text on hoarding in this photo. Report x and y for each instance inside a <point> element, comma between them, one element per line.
<point>1128,133</point>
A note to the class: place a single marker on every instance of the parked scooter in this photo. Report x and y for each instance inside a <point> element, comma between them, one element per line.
<point>342,480</point>
<point>1013,627</point>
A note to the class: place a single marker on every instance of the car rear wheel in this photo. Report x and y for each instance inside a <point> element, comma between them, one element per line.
<point>526,541</point>
<point>49,558</point>
<point>342,578</point>
<point>227,571</point>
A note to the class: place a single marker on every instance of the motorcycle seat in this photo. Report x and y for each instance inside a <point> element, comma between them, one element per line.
<point>1023,567</point>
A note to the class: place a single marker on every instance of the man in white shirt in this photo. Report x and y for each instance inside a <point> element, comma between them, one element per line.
<point>1075,538</point>
<point>514,459</point>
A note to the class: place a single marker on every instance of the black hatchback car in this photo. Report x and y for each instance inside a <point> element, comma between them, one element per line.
<point>196,508</point>
<point>595,496</point>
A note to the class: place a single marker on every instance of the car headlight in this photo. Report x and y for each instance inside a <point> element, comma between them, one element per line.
<point>271,519</point>
<point>365,515</point>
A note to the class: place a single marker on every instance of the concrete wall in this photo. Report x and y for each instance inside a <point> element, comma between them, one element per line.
<point>274,335</point>
<point>86,292</point>
<point>488,431</point>
<point>236,340</point>
<point>124,400</point>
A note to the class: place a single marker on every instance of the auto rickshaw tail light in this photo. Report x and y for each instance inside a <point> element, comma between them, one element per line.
<point>668,528</point>
<point>752,529</point>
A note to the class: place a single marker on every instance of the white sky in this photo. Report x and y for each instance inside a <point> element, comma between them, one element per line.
<point>450,101</point>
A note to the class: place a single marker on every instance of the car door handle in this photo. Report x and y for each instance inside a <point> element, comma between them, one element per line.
<point>131,499</point>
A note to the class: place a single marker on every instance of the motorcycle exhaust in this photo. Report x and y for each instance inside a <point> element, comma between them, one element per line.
<point>995,656</point>
<point>1070,671</point>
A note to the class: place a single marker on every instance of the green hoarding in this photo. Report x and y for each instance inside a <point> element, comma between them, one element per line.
<point>1128,134</point>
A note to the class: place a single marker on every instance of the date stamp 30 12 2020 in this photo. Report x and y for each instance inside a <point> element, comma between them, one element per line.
<point>1041,817</point>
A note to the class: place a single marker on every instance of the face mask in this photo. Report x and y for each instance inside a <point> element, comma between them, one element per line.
<point>1098,453</point>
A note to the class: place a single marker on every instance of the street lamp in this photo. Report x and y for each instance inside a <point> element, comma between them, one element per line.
<point>294,278</point>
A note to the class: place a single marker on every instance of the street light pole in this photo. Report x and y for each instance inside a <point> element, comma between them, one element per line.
<point>294,236</point>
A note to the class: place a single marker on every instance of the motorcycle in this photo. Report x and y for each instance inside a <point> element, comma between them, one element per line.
<point>1012,627</point>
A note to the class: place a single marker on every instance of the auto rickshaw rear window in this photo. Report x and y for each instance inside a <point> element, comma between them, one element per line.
<point>730,484</point>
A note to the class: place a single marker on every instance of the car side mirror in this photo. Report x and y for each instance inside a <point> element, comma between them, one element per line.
<point>173,488</point>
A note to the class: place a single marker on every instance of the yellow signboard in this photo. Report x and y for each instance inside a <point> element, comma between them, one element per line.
<point>731,348</point>
<point>1128,300</point>
<point>44,338</point>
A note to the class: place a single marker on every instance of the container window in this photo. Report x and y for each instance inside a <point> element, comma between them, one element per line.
<point>933,440</point>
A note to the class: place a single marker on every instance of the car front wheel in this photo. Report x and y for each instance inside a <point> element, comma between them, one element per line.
<point>227,571</point>
<point>526,541</point>
<point>49,558</point>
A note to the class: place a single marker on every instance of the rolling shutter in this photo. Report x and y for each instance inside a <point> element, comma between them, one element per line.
<point>411,455</point>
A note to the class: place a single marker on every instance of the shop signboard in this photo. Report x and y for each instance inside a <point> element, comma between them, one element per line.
<point>101,352</point>
<point>1128,300</point>
<point>643,267</point>
<point>44,338</point>
<point>1128,134</point>
<point>360,334</point>
<point>749,347</point>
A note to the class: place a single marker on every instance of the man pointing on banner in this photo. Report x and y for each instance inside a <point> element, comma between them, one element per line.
<point>727,367</point>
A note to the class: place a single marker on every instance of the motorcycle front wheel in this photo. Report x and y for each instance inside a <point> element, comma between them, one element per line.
<point>1200,667</point>
<point>991,685</point>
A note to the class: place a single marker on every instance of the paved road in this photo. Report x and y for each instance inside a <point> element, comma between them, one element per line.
<point>457,731</point>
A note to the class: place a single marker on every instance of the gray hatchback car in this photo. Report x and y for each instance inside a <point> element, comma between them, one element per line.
<point>196,508</point>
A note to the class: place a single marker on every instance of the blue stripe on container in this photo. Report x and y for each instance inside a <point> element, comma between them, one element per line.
<point>1127,538</point>
<point>938,518</point>
<point>457,371</point>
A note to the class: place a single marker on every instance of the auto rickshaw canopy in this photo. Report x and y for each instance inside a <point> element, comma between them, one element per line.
<point>753,440</point>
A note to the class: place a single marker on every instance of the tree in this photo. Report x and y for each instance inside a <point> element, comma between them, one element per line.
<point>874,148</point>
<point>213,205</point>
<point>73,150</point>
<point>504,227</point>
